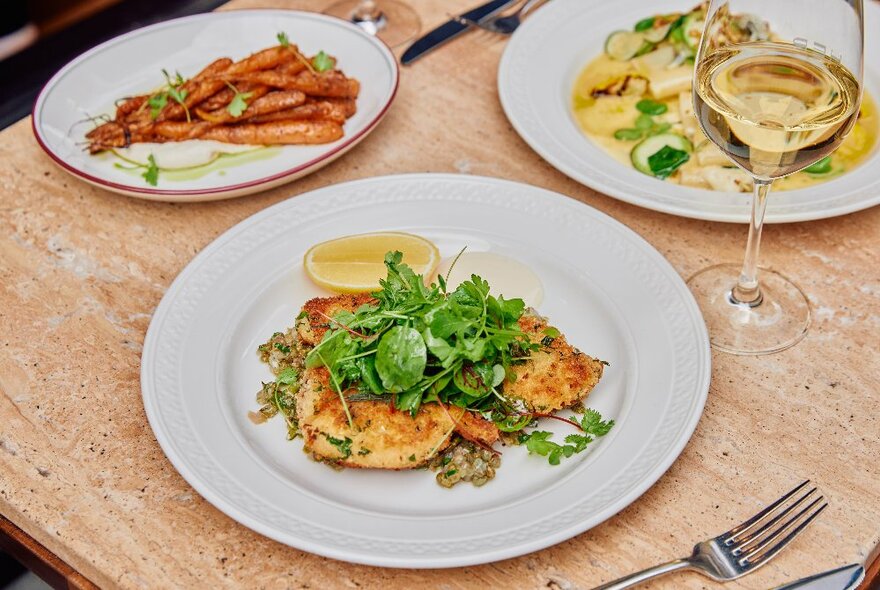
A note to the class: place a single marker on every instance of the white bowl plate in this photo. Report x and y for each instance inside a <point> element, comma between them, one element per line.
<point>535,80</point>
<point>610,292</point>
<point>131,64</point>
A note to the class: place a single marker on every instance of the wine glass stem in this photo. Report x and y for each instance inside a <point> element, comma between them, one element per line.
<point>367,11</point>
<point>747,290</point>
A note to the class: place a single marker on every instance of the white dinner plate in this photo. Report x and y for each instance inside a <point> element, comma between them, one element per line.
<point>131,64</point>
<point>610,292</point>
<point>535,81</point>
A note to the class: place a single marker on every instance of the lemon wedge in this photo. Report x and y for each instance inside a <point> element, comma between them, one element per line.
<point>354,264</point>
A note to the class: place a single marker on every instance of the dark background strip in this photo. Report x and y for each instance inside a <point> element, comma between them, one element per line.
<point>23,75</point>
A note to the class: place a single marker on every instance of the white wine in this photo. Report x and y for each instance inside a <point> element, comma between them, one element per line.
<point>774,108</point>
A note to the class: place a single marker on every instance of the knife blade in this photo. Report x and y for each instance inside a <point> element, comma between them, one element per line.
<point>450,30</point>
<point>842,578</point>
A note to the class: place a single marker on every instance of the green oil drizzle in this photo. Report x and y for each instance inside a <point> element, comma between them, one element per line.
<point>219,164</point>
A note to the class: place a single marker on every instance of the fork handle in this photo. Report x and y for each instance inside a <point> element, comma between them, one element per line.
<point>644,575</point>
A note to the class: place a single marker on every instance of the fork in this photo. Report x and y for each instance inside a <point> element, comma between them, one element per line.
<point>745,547</point>
<point>503,25</point>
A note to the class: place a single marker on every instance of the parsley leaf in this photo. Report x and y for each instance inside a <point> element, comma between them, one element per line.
<point>323,62</point>
<point>667,160</point>
<point>238,104</point>
<point>156,103</point>
<point>151,175</point>
<point>283,39</point>
<point>539,443</point>
<point>343,446</point>
<point>592,423</point>
<point>644,24</point>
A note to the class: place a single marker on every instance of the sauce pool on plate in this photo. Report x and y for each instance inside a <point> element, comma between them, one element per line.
<point>508,277</point>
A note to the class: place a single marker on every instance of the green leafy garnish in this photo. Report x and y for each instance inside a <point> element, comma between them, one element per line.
<point>401,358</point>
<point>644,24</point>
<point>592,425</point>
<point>645,126</point>
<point>283,39</point>
<point>238,104</point>
<point>823,166</point>
<point>151,175</point>
<point>157,102</point>
<point>323,62</point>
<point>424,344</point>
<point>651,107</point>
<point>343,446</point>
<point>666,161</point>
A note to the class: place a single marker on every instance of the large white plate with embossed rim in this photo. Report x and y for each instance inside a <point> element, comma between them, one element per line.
<point>610,291</point>
<point>131,64</point>
<point>535,80</point>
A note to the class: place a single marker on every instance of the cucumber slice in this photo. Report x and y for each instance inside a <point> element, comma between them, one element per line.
<point>692,29</point>
<point>624,45</point>
<point>657,34</point>
<point>650,146</point>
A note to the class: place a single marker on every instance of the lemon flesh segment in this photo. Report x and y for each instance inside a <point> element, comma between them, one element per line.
<point>354,264</point>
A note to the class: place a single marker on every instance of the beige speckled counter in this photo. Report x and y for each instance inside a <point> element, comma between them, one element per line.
<point>81,271</point>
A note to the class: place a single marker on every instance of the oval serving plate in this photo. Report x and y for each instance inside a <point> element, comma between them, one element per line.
<point>551,48</point>
<point>131,64</point>
<point>610,292</point>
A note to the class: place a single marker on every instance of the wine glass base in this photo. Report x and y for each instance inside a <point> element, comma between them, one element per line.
<point>780,320</point>
<point>393,22</point>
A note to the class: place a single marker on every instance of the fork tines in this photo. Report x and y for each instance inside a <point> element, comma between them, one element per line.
<point>765,534</point>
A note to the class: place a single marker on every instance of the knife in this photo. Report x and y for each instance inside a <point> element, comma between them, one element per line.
<point>843,578</point>
<point>451,29</point>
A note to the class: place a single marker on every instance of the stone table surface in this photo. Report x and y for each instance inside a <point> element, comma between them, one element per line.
<point>82,269</point>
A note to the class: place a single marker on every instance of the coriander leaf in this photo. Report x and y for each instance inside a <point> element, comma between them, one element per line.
<point>651,107</point>
<point>823,166</point>
<point>282,39</point>
<point>323,62</point>
<point>629,134</point>
<point>580,441</point>
<point>592,423</point>
<point>238,104</point>
<point>287,376</point>
<point>152,173</point>
<point>666,161</point>
<point>401,358</point>
<point>178,94</point>
<point>157,102</point>
<point>343,446</point>
<point>644,24</point>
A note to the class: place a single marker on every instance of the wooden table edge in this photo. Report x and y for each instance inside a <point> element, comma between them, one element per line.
<point>38,559</point>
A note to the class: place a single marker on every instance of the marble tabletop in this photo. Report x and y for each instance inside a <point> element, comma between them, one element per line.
<point>82,270</point>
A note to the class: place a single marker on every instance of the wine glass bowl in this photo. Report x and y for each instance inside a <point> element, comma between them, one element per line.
<point>777,87</point>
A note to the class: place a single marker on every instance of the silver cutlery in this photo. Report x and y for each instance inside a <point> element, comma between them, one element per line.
<point>745,547</point>
<point>842,578</point>
<point>504,25</point>
<point>452,29</point>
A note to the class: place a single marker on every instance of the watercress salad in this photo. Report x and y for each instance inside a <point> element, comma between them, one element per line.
<point>420,344</point>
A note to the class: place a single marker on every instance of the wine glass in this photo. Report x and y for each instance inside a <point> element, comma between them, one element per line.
<point>777,87</point>
<point>391,20</point>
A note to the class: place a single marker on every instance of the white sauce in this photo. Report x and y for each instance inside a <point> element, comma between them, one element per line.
<point>181,154</point>
<point>505,276</point>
